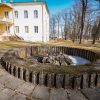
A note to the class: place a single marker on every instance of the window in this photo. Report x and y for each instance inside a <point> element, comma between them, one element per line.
<point>7,29</point>
<point>25,14</point>
<point>26,29</point>
<point>35,14</point>
<point>6,14</point>
<point>16,14</point>
<point>16,29</point>
<point>36,29</point>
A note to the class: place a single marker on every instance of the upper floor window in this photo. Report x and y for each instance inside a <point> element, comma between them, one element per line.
<point>36,29</point>
<point>16,14</point>
<point>6,14</point>
<point>26,29</point>
<point>16,29</point>
<point>25,14</point>
<point>35,13</point>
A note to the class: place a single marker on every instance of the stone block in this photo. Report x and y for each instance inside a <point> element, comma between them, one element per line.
<point>35,78</point>
<point>42,78</point>
<point>85,80</point>
<point>93,79</point>
<point>58,94</point>
<point>26,89</point>
<point>41,93</point>
<point>77,82</point>
<point>27,75</point>
<point>59,80</point>
<point>91,94</point>
<point>51,80</point>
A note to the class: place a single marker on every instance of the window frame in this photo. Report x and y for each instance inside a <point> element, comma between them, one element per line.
<point>35,13</point>
<point>25,14</point>
<point>26,29</point>
<point>6,14</point>
<point>36,29</point>
<point>16,14</point>
<point>16,29</point>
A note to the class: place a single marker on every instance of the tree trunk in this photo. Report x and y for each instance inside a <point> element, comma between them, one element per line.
<point>94,37</point>
<point>84,7</point>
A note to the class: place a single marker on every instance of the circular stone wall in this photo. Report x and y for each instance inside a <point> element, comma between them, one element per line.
<point>15,62</point>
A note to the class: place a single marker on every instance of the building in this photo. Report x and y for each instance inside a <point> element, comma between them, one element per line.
<point>27,20</point>
<point>6,20</point>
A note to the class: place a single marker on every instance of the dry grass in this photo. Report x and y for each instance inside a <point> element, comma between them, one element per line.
<point>85,45</point>
<point>60,42</point>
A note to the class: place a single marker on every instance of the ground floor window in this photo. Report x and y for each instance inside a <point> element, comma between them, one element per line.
<point>16,29</point>
<point>26,29</point>
<point>8,29</point>
<point>36,29</point>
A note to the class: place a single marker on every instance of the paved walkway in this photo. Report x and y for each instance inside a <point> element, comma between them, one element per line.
<point>12,88</point>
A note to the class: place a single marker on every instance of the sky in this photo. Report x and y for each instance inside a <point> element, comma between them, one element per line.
<point>53,5</point>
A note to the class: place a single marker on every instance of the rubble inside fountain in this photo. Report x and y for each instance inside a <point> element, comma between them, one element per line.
<point>54,59</point>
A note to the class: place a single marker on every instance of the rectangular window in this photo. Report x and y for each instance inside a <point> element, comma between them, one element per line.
<point>26,29</point>
<point>16,29</point>
<point>6,14</point>
<point>16,14</point>
<point>36,29</point>
<point>7,29</point>
<point>35,13</point>
<point>25,14</point>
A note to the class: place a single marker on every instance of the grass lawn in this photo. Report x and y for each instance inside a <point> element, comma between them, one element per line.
<point>85,45</point>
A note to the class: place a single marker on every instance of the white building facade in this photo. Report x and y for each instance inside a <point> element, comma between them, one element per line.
<point>30,21</point>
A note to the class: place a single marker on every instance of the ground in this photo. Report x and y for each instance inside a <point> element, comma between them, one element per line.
<point>86,44</point>
<point>12,88</point>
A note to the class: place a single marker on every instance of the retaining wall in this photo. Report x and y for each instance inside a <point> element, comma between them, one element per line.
<point>66,81</point>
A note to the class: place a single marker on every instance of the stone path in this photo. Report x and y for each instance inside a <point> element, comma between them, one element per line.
<point>12,88</point>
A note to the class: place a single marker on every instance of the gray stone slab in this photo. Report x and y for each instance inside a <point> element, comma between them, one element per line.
<point>76,95</point>
<point>19,97</point>
<point>6,94</point>
<point>13,83</point>
<point>4,79</point>
<point>26,89</point>
<point>3,72</point>
<point>58,94</point>
<point>91,94</point>
<point>1,87</point>
<point>41,92</point>
<point>97,89</point>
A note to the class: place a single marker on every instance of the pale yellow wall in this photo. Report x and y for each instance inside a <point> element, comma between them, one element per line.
<point>2,29</point>
<point>2,10</point>
<point>2,15</point>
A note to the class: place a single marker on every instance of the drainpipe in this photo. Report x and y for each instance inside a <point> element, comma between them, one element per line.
<point>42,26</point>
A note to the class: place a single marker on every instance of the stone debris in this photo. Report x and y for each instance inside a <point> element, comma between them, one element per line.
<point>60,59</point>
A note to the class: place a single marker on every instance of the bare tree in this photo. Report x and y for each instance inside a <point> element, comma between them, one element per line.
<point>83,15</point>
<point>96,32</point>
<point>58,19</point>
<point>65,20</point>
<point>53,26</point>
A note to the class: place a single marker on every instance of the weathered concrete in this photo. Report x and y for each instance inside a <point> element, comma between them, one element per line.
<point>58,94</point>
<point>41,93</point>
<point>12,88</point>
<point>26,89</point>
